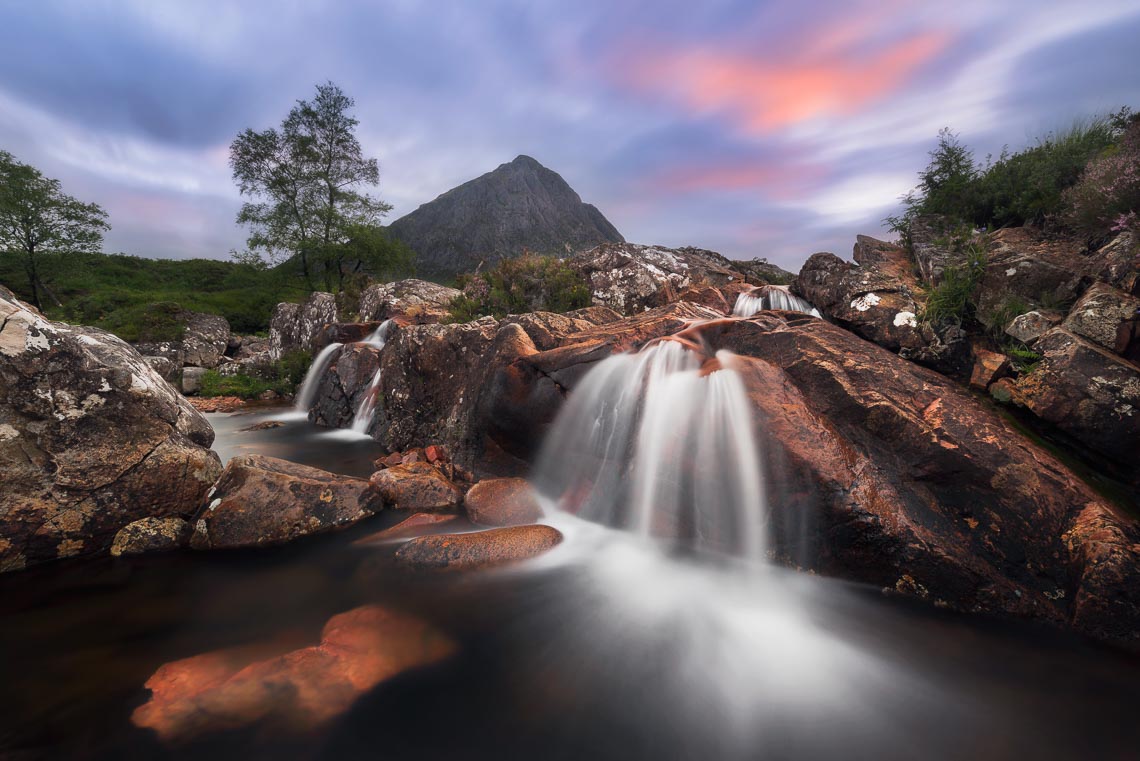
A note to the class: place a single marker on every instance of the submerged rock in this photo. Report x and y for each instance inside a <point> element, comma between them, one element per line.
<point>263,501</point>
<point>91,439</point>
<point>477,550</point>
<point>414,525</point>
<point>502,502</point>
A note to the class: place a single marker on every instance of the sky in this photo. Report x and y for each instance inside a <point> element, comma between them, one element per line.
<point>757,129</point>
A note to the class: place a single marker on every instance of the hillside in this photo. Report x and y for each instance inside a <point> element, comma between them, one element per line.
<point>521,204</point>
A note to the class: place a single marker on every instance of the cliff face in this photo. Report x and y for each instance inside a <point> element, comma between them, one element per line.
<point>521,204</point>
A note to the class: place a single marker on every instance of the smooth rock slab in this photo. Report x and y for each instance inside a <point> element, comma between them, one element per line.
<point>481,549</point>
<point>263,501</point>
<point>418,524</point>
<point>502,502</point>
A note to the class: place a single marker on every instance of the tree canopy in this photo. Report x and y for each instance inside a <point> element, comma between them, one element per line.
<point>38,219</point>
<point>306,180</point>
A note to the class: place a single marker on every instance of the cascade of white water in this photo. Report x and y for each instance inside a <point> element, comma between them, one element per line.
<point>771,297</point>
<point>653,443</point>
<point>367,407</point>
<point>308,390</point>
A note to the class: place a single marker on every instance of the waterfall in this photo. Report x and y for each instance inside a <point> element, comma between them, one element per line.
<point>367,407</point>
<point>661,443</point>
<point>771,297</point>
<point>308,390</point>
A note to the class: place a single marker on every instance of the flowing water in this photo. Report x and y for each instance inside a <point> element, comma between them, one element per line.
<point>308,391</point>
<point>611,646</point>
<point>771,297</point>
<point>367,407</point>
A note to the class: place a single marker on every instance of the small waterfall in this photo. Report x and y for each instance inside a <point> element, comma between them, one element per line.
<point>771,297</point>
<point>308,390</point>
<point>661,443</point>
<point>367,407</point>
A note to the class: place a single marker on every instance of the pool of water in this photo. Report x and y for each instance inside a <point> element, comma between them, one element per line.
<point>606,648</point>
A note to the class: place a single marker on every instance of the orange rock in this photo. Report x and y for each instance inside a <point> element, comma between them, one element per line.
<point>416,525</point>
<point>417,487</point>
<point>481,549</point>
<point>988,367</point>
<point>502,502</point>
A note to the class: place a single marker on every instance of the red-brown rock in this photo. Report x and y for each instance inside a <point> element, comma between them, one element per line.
<point>502,502</point>
<point>988,367</point>
<point>418,524</point>
<point>480,549</point>
<point>417,487</point>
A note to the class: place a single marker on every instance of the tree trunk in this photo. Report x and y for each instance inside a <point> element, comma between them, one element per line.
<point>33,278</point>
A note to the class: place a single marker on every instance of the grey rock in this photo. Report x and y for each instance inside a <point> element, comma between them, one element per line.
<point>1099,314</point>
<point>205,341</point>
<point>1030,326</point>
<point>294,326</point>
<point>169,371</point>
<point>416,301</point>
<point>192,380</point>
<point>520,205</point>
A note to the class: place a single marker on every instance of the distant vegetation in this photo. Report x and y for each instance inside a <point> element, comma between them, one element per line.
<point>529,283</point>
<point>1085,180</point>
<point>281,378</point>
<point>129,295</point>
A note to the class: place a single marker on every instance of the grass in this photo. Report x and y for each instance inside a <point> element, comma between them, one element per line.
<point>529,283</point>
<point>282,378</point>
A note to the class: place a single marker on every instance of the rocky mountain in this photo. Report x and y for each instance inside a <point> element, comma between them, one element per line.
<point>521,204</point>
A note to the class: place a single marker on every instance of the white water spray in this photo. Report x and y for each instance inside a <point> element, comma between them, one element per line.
<point>657,444</point>
<point>367,407</point>
<point>771,297</point>
<point>308,391</point>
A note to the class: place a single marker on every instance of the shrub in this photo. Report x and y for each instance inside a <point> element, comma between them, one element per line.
<point>1107,197</point>
<point>952,300</point>
<point>1010,307</point>
<point>529,283</point>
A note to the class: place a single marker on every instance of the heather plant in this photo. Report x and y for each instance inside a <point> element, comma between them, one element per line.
<point>1107,197</point>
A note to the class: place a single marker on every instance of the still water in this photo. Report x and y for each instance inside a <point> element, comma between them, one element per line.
<point>605,648</point>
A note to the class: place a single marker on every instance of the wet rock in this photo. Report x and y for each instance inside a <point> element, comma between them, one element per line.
<point>1087,392</point>
<point>223,404</point>
<point>1100,313</point>
<point>343,333</point>
<point>596,315</point>
<point>294,327</point>
<point>411,300</point>
<point>346,381</point>
<point>170,372</point>
<point>988,367</point>
<point>291,691</point>
<point>1025,264</point>
<point>263,501</point>
<point>151,535</point>
<point>891,471</point>
<point>1030,326</point>
<point>192,380</point>
<point>630,278</point>
<point>418,524</point>
<point>502,502</point>
<point>873,297</point>
<point>946,350</point>
<point>91,439</point>
<point>761,272</point>
<point>481,549</point>
<point>721,298</point>
<point>417,487</point>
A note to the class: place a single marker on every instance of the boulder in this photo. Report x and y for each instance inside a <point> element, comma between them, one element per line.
<point>264,501</point>
<point>478,550</point>
<point>762,272</point>
<point>416,487</point>
<point>91,439</point>
<point>1100,313</point>
<point>343,333</point>
<point>413,301</point>
<point>170,372</point>
<point>874,297</point>
<point>151,535</point>
<point>502,502</point>
<point>988,367</point>
<point>1030,326</point>
<point>1116,263</point>
<point>630,278</point>
<point>931,247</point>
<point>1088,392</point>
<point>294,327</point>
<point>1027,265</point>
<point>171,351</point>
<point>192,380</point>
<point>894,475</point>
<point>206,339</point>
<point>291,690</point>
<point>346,381</point>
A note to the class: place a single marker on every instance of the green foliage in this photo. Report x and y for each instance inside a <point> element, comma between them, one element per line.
<point>114,292</point>
<point>293,365</point>
<point>1011,307</point>
<point>282,378</point>
<point>529,283</point>
<point>37,219</point>
<point>1024,360</point>
<point>952,300</point>
<point>305,179</point>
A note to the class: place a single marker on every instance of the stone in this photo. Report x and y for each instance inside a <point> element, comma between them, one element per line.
<point>343,333</point>
<point>294,327</point>
<point>1099,314</point>
<point>762,272</point>
<point>988,367</point>
<point>294,691</point>
<point>502,502</point>
<point>930,244</point>
<point>417,524</point>
<point>192,380</point>
<point>206,339</point>
<point>631,278</point>
<point>148,535</point>
<point>262,501</point>
<point>478,550</point>
<point>1117,263</point>
<point>347,380</point>
<point>170,372</point>
<point>91,439</point>
<point>874,297</point>
<point>416,487</point>
<point>411,301</point>
<point>1088,392</point>
<point>1030,326</point>
<point>1027,265</point>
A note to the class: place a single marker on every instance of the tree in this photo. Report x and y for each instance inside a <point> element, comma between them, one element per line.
<point>306,179</point>
<point>38,219</point>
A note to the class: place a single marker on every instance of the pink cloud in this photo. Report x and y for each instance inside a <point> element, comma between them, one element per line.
<point>778,180</point>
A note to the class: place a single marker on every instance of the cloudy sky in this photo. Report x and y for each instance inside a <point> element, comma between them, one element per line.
<point>754,128</point>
